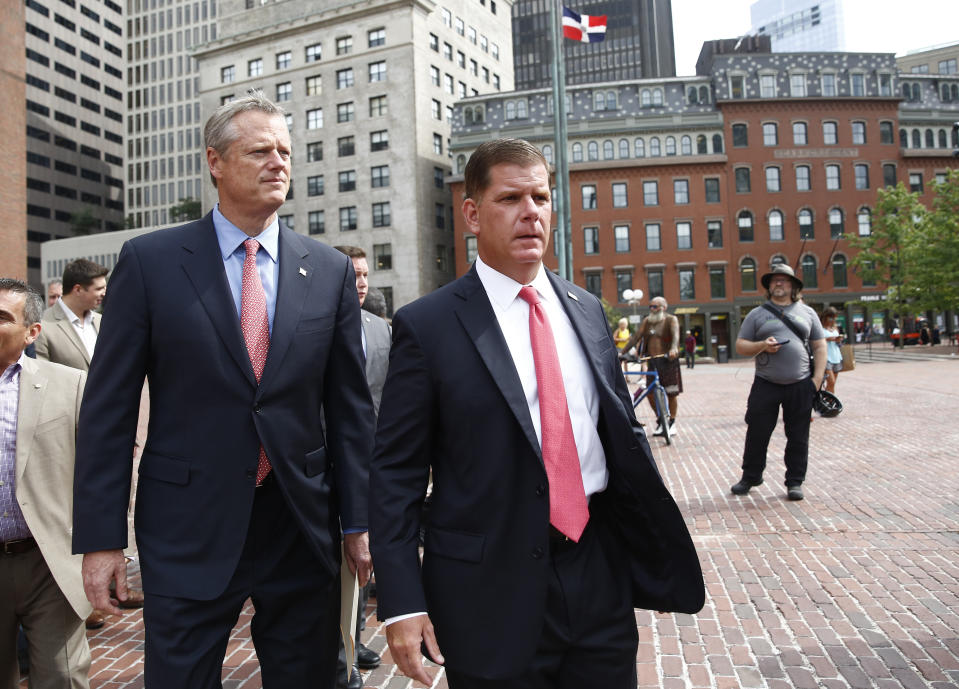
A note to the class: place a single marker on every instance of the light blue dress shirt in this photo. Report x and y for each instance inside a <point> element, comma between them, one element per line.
<point>231,238</point>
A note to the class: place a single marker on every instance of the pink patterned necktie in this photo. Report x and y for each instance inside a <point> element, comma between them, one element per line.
<point>568,509</point>
<point>256,329</point>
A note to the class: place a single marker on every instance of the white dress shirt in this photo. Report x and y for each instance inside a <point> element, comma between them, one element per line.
<point>83,327</point>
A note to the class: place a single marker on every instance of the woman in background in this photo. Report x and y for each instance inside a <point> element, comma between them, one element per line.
<point>833,354</point>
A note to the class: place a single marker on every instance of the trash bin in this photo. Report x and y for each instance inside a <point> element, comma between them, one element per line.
<point>722,354</point>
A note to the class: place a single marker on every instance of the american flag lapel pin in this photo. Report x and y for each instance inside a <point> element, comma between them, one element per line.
<point>572,296</point>
<point>303,271</point>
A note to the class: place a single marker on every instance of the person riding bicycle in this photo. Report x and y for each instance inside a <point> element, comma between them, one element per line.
<point>658,334</point>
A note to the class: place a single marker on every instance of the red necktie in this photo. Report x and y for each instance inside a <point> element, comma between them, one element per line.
<point>256,329</point>
<point>568,510</point>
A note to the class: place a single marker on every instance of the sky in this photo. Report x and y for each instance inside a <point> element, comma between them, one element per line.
<point>871,25</point>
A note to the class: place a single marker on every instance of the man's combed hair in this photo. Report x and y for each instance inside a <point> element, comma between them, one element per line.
<point>82,272</point>
<point>33,304</point>
<point>499,152</point>
<point>219,133</point>
<point>351,251</point>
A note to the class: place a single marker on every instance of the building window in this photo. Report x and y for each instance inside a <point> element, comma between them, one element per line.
<point>742,180</point>
<point>806,228</point>
<point>314,185</point>
<point>650,193</point>
<point>862,176</point>
<point>767,85</point>
<point>314,52</point>
<point>621,237</point>
<point>886,135</point>
<point>439,217</point>
<point>773,183</point>
<point>745,222</point>
<point>345,146</point>
<point>889,175</point>
<point>381,214</point>
<point>687,284</point>
<point>344,78</point>
<point>590,240</point>
<point>712,190</point>
<point>228,75</point>
<point>684,235</point>
<point>800,134</point>
<point>378,106</point>
<point>347,218</point>
<point>859,133</point>
<point>835,223</point>
<point>284,59</point>
<point>314,118</point>
<point>839,277</point>
<point>284,92</point>
<point>434,75</point>
<point>681,192</point>
<point>592,151</point>
<point>802,178</point>
<point>714,234</point>
<point>434,43</point>
<point>344,45</point>
<point>436,110</point>
<point>314,152</point>
<point>810,274</point>
<point>736,87</point>
<point>639,148</point>
<point>317,222</point>
<point>864,222</point>
<point>376,37</point>
<point>577,152</point>
<point>589,196</point>
<point>594,284</point>
<point>380,176</point>
<point>438,177</point>
<point>717,282</point>
<point>832,177</point>
<point>670,145</point>
<point>858,85</point>
<point>624,148</point>
<point>915,181</point>
<point>377,70</point>
<point>438,144</point>
<point>471,249</point>
<point>797,85</point>
<point>254,68</point>
<point>653,239</point>
<point>747,275</point>
<point>379,140</point>
<point>654,149</point>
<point>829,85</point>
<point>686,145</point>
<point>740,136</point>
<point>702,148</point>
<point>654,278</point>
<point>624,281</point>
<point>344,112</point>
<point>776,233</point>
<point>382,257</point>
<point>717,143</point>
<point>830,136</point>
<point>770,134</point>
<point>608,151</point>
<point>620,199</point>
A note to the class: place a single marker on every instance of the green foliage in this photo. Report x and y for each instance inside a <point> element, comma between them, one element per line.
<point>612,315</point>
<point>188,209</point>
<point>936,260</point>
<point>84,222</point>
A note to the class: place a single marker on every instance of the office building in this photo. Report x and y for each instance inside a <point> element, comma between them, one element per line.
<point>638,43</point>
<point>370,91</point>
<point>940,59</point>
<point>805,26</point>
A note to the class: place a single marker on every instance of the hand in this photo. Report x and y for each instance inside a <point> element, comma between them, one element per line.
<point>405,639</point>
<point>817,382</point>
<point>99,569</point>
<point>771,345</point>
<point>673,353</point>
<point>357,549</point>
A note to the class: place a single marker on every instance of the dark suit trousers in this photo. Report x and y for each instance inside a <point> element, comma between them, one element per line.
<point>762,412</point>
<point>589,634</point>
<point>294,628</point>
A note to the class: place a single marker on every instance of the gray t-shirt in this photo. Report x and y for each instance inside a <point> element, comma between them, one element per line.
<point>791,363</point>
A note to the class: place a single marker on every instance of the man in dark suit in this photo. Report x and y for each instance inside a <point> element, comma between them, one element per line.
<point>244,330</point>
<point>549,521</point>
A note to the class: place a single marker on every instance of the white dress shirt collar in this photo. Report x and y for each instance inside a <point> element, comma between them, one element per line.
<point>74,318</point>
<point>503,290</point>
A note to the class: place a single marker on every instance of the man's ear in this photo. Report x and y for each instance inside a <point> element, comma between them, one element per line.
<point>33,332</point>
<point>471,215</point>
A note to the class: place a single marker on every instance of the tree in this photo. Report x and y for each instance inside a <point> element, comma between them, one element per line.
<point>936,260</point>
<point>887,256</point>
<point>187,209</point>
<point>84,221</point>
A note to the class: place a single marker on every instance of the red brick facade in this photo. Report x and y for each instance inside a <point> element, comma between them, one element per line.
<point>13,150</point>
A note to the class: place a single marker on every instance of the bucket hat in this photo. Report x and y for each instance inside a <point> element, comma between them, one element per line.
<point>780,269</point>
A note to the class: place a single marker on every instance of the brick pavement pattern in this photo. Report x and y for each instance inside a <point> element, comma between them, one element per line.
<point>856,587</point>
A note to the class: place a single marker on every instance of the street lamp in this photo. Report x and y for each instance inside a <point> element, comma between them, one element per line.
<point>633,296</point>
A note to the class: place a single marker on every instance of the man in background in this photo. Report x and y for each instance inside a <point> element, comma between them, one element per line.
<point>54,291</point>
<point>658,336</point>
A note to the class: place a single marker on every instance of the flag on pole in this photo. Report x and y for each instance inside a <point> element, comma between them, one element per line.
<point>583,27</point>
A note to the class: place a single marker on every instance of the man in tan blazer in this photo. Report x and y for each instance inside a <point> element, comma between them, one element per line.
<point>71,324</point>
<point>42,582</point>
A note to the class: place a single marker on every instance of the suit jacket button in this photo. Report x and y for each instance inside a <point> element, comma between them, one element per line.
<point>537,553</point>
<point>257,408</point>
<point>251,473</point>
<point>541,490</point>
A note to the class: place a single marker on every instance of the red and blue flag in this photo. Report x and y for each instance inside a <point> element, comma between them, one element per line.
<point>583,27</point>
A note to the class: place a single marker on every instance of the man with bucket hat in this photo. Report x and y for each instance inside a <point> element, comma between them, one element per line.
<point>785,377</point>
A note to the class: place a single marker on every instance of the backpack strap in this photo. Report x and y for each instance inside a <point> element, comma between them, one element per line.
<point>792,326</point>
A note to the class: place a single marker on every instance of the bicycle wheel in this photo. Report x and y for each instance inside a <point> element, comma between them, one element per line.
<point>662,407</point>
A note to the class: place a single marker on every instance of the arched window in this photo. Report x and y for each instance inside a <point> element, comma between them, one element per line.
<point>611,100</point>
<point>943,142</point>
<point>657,96</point>
<point>467,115</point>
<point>810,274</point>
<point>954,92</point>
<point>592,151</point>
<point>776,260</point>
<point>703,94</point>
<point>864,219</point>
<point>701,146</point>
<point>548,153</point>
<point>599,100</point>
<point>930,139</point>
<point>717,143</point>
<point>945,93</point>
<point>460,164</point>
<point>670,145</point>
<point>806,229</point>
<point>686,146</point>
<point>916,138</point>
<point>521,109</point>
<point>747,274</point>
<point>776,233</point>
<point>692,95</point>
<point>745,223</point>
<point>608,151</point>
<point>835,223</point>
<point>639,148</point>
<point>839,278</point>
<point>644,98</point>
<point>510,110</point>
<point>906,92</point>
<point>478,114</point>
<point>624,148</point>
<point>577,152</point>
<point>654,147</point>
<point>916,96</point>
<point>903,139</point>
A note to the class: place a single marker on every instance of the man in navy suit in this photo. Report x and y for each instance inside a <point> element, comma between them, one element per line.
<point>512,592</point>
<point>244,330</point>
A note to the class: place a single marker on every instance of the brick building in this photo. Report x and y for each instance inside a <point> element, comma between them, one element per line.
<point>13,149</point>
<point>691,188</point>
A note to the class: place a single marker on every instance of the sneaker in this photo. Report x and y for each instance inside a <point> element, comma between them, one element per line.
<point>743,487</point>
<point>794,492</point>
<point>672,426</point>
<point>659,429</point>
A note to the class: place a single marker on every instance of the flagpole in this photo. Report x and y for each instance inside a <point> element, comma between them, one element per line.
<point>564,247</point>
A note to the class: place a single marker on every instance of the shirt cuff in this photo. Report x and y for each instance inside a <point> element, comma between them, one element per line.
<point>391,620</point>
<point>357,530</point>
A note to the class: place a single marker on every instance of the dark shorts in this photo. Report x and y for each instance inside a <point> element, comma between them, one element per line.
<point>669,374</point>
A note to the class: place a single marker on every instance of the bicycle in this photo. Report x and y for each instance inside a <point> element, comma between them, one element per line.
<point>654,388</point>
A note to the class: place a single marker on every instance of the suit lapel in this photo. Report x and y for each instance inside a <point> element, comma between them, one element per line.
<point>71,334</point>
<point>365,320</point>
<point>203,265</point>
<point>476,315</point>
<point>295,277</point>
<point>33,390</point>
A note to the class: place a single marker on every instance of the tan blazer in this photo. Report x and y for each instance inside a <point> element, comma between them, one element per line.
<point>46,441</point>
<point>59,342</point>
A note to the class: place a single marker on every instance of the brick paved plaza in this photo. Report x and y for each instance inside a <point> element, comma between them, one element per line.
<point>856,586</point>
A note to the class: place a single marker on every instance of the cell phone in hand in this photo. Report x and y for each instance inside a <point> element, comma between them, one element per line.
<point>780,343</point>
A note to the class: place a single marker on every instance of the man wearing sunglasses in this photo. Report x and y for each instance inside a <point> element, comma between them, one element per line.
<point>658,335</point>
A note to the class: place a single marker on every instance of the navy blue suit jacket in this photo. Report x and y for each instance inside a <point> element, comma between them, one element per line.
<point>169,316</point>
<point>453,403</point>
